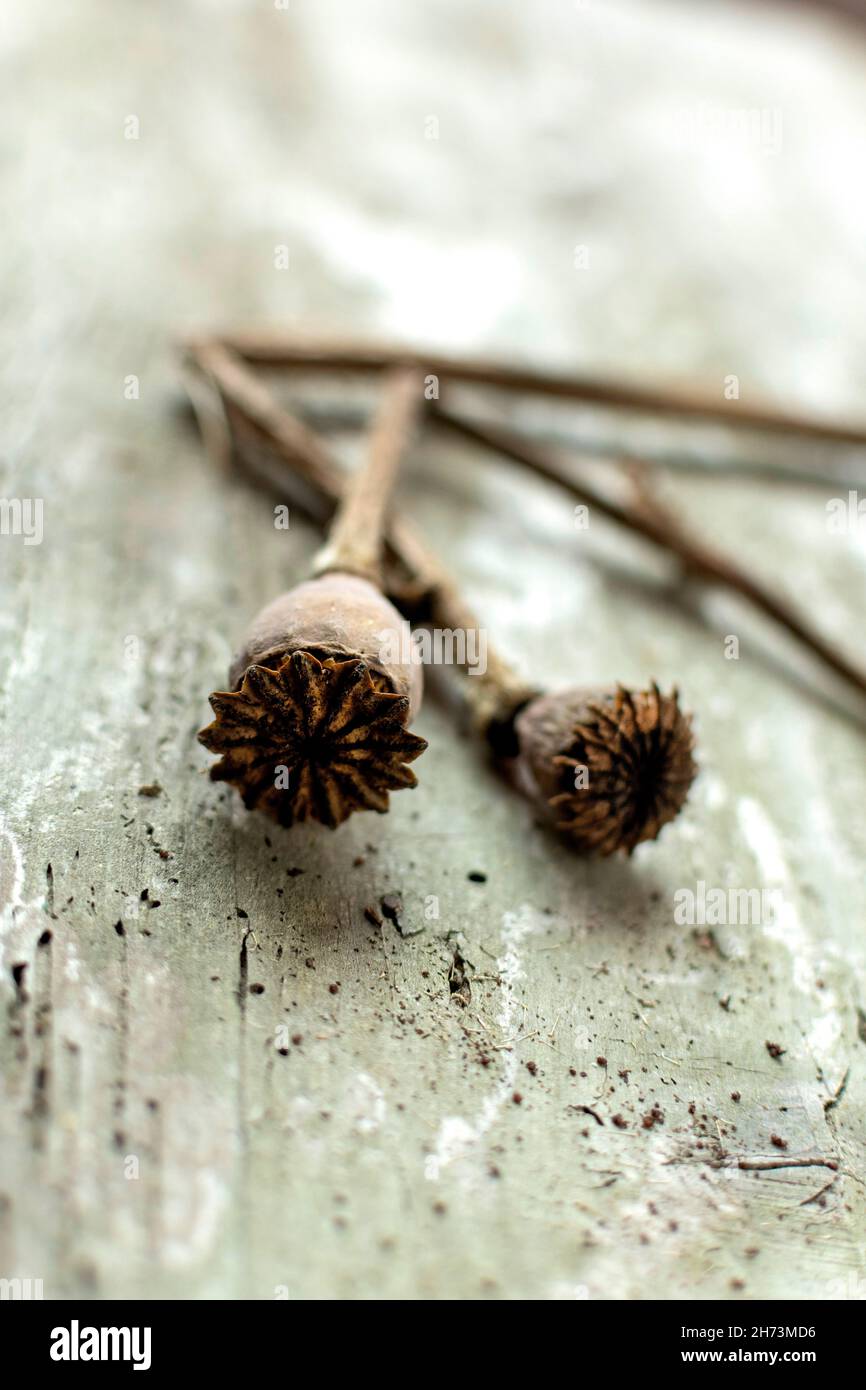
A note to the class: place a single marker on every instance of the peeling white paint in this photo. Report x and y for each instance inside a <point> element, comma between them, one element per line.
<point>457,1136</point>
<point>13,907</point>
<point>11,875</point>
<point>194,1213</point>
<point>366,1104</point>
<point>786,928</point>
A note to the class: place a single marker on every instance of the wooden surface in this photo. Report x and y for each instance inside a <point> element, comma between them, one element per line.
<point>220,1079</point>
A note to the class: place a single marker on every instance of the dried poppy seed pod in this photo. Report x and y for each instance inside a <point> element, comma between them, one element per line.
<point>608,767</point>
<point>314,726</point>
<point>338,615</point>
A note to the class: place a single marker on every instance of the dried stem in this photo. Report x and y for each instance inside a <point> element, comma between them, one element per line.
<point>277,350</point>
<point>246,398</point>
<point>658,525</point>
<point>288,435</point>
<point>297,443</point>
<point>356,538</point>
<point>770,1165</point>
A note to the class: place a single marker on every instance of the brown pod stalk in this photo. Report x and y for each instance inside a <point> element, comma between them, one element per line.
<point>636,747</point>
<point>314,725</point>
<point>649,519</point>
<point>276,349</point>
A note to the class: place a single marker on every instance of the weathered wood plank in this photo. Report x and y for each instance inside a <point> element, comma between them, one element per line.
<point>189,1110</point>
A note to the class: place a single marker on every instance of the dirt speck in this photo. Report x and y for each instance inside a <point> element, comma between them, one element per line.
<point>653,1117</point>
<point>458,979</point>
<point>392,908</point>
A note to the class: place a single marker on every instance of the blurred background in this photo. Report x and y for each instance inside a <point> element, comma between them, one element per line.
<point>626,184</point>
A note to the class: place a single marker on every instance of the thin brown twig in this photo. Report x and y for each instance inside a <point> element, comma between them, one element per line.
<point>657,524</point>
<point>303,450</point>
<point>248,400</point>
<point>769,1165</point>
<point>816,1196</point>
<point>355,537</point>
<point>273,349</point>
<point>329,417</point>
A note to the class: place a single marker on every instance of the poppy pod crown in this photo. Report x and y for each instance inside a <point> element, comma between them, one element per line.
<point>314,725</point>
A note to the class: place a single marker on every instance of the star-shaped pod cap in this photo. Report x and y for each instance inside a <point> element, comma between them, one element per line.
<point>313,739</point>
<point>609,767</point>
